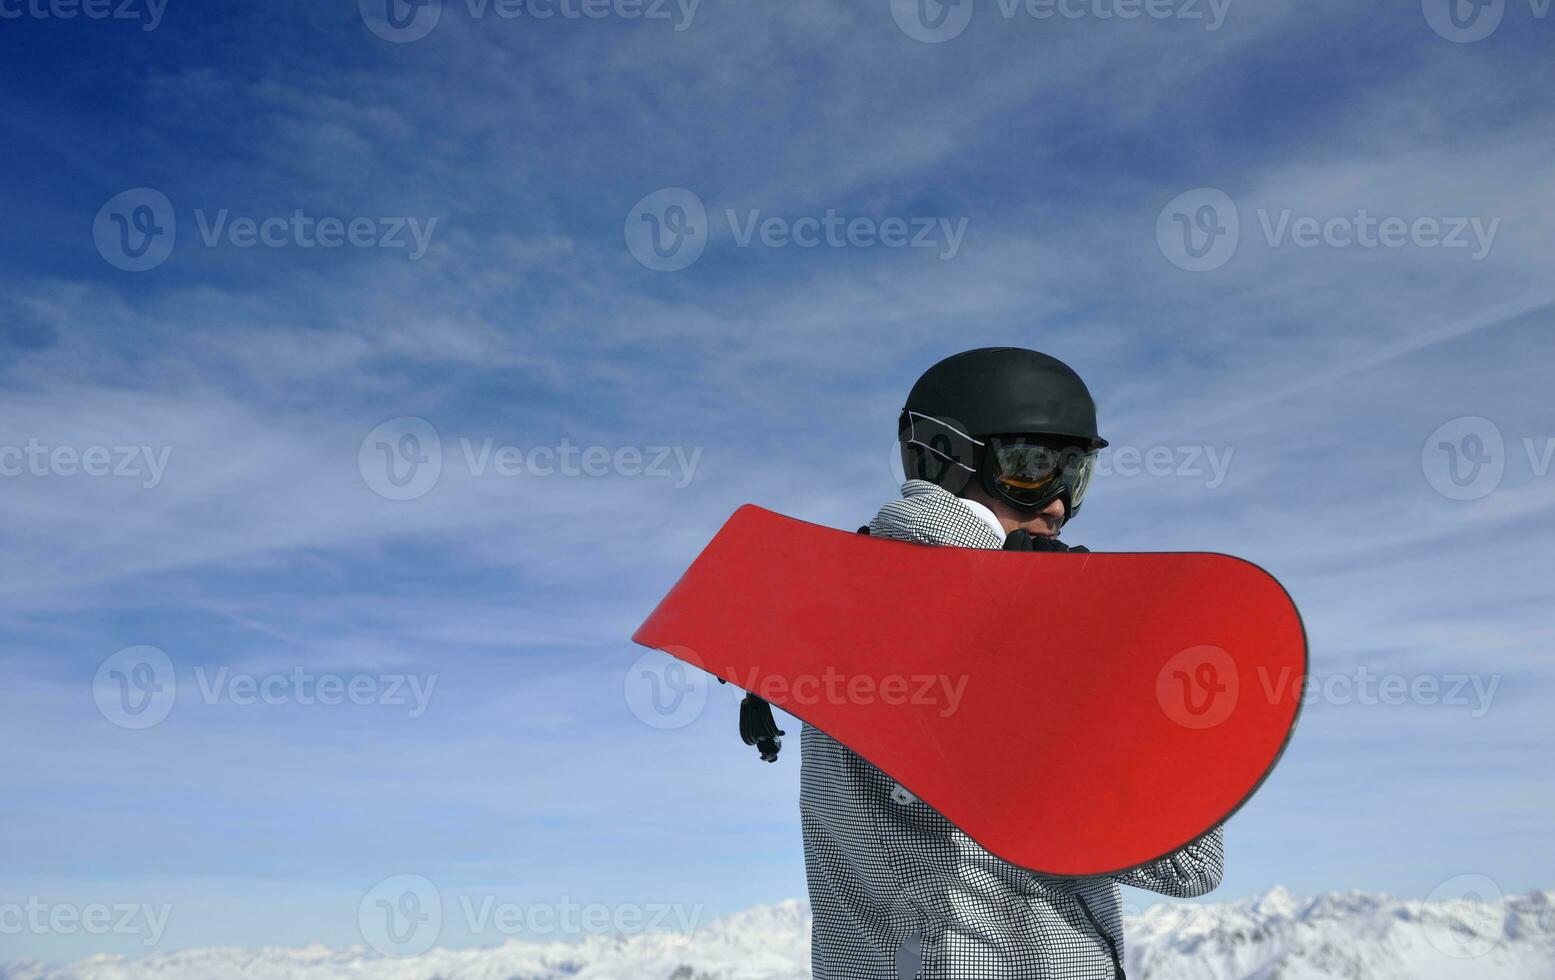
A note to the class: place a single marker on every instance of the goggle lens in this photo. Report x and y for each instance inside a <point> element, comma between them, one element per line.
<point>1033,473</point>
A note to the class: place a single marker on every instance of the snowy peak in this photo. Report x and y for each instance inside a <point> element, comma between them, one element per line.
<point>785,918</point>
<point>1346,934</point>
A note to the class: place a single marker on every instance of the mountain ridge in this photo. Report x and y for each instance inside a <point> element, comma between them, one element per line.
<point>1273,936</point>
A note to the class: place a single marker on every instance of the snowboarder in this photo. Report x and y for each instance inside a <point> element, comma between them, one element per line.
<point>998,445</point>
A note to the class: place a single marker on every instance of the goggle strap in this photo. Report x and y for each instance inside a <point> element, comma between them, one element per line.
<point>913,440</point>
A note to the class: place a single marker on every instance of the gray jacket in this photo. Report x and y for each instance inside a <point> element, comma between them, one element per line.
<point>898,892</point>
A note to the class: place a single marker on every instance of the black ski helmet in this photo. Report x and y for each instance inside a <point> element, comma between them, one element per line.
<point>963,401</point>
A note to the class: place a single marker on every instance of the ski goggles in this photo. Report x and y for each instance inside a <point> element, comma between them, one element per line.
<point>1031,473</point>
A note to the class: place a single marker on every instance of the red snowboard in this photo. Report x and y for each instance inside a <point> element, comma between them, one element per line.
<point>1075,714</point>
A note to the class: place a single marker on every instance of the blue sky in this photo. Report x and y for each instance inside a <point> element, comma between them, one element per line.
<point>1059,145</point>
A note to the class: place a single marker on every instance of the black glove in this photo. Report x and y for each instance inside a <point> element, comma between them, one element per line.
<point>758,728</point>
<point>1019,540</point>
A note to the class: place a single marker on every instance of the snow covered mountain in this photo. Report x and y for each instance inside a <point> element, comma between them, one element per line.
<point>1353,936</point>
<point>1345,935</point>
